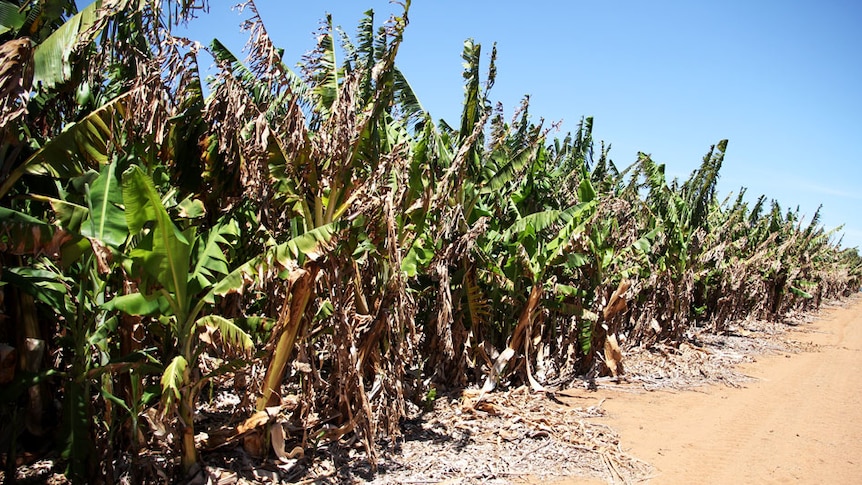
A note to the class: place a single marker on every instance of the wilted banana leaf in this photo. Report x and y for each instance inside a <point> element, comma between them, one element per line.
<point>51,58</point>
<point>230,333</point>
<point>81,146</point>
<point>21,234</point>
<point>70,215</point>
<point>256,88</point>
<point>175,376</point>
<point>312,245</point>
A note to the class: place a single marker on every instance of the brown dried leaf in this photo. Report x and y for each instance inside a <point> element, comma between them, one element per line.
<point>16,75</point>
<point>613,355</point>
<point>253,444</point>
<point>277,438</point>
<point>256,420</point>
<point>617,303</point>
<point>103,254</point>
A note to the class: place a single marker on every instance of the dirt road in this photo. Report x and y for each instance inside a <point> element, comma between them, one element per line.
<point>800,422</point>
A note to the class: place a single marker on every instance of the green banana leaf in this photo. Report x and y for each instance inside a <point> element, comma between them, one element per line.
<point>164,251</point>
<point>311,244</point>
<point>10,17</point>
<point>107,219</point>
<point>138,304</point>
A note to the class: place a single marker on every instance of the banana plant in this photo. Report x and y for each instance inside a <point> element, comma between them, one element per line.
<point>182,272</point>
<point>327,136</point>
<point>76,253</point>
<point>66,166</point>
<point>539,255</point>
<point>179,271</point>
<point>535,244</point>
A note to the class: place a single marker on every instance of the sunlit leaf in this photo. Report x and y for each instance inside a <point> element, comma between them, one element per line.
<point>167,257</point>
<point>138,304</point>
<point>230,332</point>
<point>173,380</point>
<point>107,219</point>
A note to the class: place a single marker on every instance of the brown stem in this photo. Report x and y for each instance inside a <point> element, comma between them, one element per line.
<point>518,336</point>
<point>288,325</point>
<point>187,425</point>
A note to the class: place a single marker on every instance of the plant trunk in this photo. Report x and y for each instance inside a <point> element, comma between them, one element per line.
<point>518,336</point>
<point>32,354</point>
<point>187,424</point>
<point>302,290</point>
<point>130,332</point>
<point>526,317</point>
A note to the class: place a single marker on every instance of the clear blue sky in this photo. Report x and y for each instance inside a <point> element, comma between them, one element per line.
<point>780,79</point>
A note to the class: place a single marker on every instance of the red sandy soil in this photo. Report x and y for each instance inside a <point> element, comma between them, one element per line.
<point>799,422</point>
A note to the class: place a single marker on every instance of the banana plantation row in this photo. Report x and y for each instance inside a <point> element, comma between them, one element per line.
<point>311,236</point>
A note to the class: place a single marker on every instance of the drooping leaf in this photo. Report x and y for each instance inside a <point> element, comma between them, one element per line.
<point>70,215</point>
<point>138,304</point>
<point>52,56</point>
<point>45,286</point>
<point>230,332</point>
<point>173,380</point>
<point>312,244</point>
<point>22,234</point>
<point>81,146</point>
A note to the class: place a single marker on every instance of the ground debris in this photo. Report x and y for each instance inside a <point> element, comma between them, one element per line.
<point>706,359</point>
<point>500,437</point>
